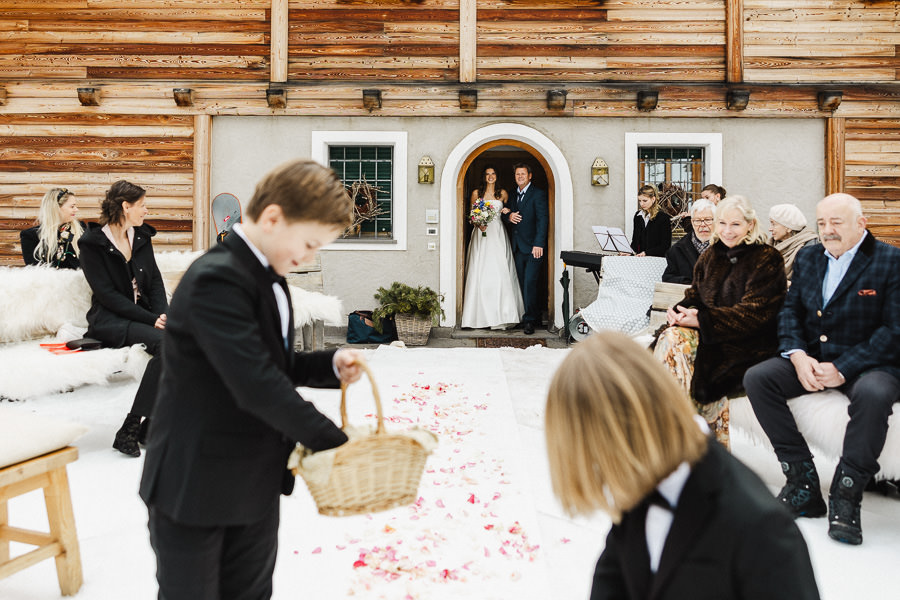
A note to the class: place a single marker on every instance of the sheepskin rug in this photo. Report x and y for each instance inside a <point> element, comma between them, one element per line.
<point>313,306</point>
<point>37,301</point>
<point>822,419</point>
<point>27,370</point>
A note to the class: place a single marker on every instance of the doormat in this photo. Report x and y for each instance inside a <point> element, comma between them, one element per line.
<point>509,342</point>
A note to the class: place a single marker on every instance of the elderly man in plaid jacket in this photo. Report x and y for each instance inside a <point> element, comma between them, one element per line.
<point>839,328</point>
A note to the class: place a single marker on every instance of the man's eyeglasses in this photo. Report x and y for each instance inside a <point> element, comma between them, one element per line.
<point>704,221</point>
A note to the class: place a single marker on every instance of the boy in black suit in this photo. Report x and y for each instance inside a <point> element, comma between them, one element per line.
<point>228,414</point>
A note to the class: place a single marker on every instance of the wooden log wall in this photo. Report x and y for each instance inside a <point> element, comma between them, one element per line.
<point>137,39</point>
<point>821,40</point>
<point>872,174</point>
<point>384,40</point>
<point>419,53</point>
<point>86,154</point>
<point>613,40</point>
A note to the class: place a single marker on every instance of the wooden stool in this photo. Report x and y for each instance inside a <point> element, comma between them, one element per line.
<point>48,472</point>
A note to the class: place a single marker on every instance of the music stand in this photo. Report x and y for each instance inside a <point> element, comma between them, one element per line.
<point>612,239</point>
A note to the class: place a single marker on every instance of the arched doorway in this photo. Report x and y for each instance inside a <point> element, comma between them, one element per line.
<point>502,137</point>
<point>503,155</point>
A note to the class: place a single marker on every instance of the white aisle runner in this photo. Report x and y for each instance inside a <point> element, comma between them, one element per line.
<point>473,533</point>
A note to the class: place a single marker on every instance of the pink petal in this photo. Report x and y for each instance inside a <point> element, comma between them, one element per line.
<point>317,550</point>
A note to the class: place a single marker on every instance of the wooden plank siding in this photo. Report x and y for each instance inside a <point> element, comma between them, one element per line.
<point>38,152</point>
<point>99,39</point>
<point>872,150</point>
<point>384,40</point>
<point>615,40</point>
<point>821,41</point>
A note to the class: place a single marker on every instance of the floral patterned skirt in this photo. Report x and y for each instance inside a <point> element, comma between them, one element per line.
<point>676,348</point>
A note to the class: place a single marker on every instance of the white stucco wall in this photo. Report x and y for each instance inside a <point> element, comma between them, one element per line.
<point>769,160</point>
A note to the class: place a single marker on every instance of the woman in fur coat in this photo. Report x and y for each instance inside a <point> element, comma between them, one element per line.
<point>728,315</point>
<point>128,304</point>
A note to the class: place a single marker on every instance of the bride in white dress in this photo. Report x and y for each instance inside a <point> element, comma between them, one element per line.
<point>492,295</point>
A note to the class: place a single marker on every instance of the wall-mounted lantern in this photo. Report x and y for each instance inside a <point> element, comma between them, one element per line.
<point>647,99</point>
<point>556,99</point>
<point>737,99</point>
<point>276,97</point>
<point>426,170</point>
<point>371,99</point>
<point>830,99</point>
<point>468,99</point>
<point>89,96</point>
<point>599,172</point>
<point>183,96</point>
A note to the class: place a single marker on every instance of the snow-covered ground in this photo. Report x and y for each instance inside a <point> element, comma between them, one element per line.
<point>486,525</point>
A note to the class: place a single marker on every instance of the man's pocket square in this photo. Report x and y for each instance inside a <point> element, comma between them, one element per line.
<point>867,293</point>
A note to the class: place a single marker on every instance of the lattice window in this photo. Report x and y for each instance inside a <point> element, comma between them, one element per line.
<point>374,165</point>
<point>681,166</point>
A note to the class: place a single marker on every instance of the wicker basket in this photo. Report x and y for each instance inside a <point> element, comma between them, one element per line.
<point>412,329</point>
<point>371,474</point>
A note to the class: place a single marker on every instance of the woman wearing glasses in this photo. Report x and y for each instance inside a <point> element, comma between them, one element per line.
<point>682,257</point>
<point>54,240</point>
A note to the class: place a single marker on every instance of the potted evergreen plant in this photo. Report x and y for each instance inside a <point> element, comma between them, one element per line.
<point>414,310</point>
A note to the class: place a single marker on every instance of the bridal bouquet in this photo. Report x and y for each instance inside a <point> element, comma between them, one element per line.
<point>482,213</point>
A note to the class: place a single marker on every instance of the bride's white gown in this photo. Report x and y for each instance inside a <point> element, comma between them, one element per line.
<point>492,297</point>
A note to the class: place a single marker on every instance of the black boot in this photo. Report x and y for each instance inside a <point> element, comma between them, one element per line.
<point>844,524</point>
<point>802,494</point>
<point>126,440</point>
<point>144,433</point>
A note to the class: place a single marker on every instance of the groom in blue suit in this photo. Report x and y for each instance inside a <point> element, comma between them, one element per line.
<point>529,216</point>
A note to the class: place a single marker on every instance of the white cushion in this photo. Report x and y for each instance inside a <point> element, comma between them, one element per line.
<point>625,293</point>
<point>24,436</point>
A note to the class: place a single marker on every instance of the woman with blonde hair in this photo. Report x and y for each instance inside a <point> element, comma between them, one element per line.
<point>54,240</point>
<point>726,322</point>
<point>652,234</point>
<point>689,520</point>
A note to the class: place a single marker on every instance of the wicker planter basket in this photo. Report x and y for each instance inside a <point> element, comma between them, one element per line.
<point>412,329</point>
<point>369,474</point>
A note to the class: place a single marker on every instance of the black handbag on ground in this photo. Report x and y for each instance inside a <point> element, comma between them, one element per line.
<point>361,330</point>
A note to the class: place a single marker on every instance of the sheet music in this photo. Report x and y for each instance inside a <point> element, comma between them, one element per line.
<point>612,239</point>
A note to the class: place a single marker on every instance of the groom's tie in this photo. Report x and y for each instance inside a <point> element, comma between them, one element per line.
<point>520,198</point>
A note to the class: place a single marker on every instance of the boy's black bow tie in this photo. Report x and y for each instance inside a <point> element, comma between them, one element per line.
<point>276,278</point>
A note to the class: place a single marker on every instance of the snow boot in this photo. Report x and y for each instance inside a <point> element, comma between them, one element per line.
<point>126,440</point>
<point>844,524</point>
<point>802,494</point>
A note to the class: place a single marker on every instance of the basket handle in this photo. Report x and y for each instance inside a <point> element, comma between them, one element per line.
<point>365,367</point>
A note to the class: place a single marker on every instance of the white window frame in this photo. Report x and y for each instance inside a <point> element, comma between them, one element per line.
<point>321,140</point>
<point>710,142</point>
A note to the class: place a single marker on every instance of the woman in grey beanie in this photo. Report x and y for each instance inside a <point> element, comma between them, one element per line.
<point>787,224</point>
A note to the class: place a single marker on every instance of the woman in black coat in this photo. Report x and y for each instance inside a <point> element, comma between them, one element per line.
<point>681,258</point>
<point>652,233</point>
<point>54,240</point>
<point>128,305</point>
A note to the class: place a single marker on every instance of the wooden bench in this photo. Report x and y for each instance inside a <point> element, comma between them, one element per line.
<point>821,417</point>
<point>48,472</point>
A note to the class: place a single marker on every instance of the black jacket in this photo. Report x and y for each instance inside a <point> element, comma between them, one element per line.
<point>680,261</point>
<point>109,275</point>
<point>730,540</point>
<point>655,237</point>
<point>227,414</point>
<point>29,240</point>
